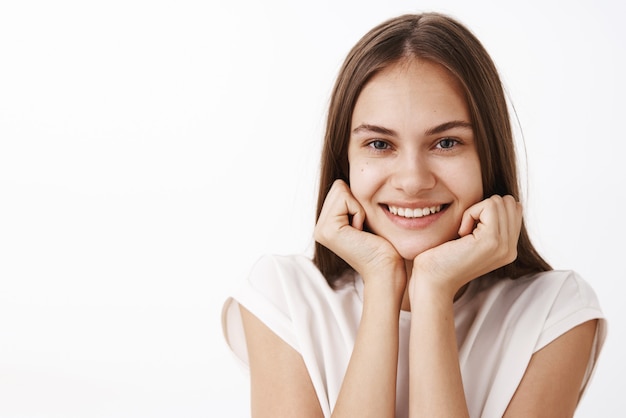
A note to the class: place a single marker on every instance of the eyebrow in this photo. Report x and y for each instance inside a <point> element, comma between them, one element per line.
<point>446,126</point>
<point>431,131</point>
<point>373,128</point>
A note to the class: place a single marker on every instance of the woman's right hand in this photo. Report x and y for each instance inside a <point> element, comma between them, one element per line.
<point>340,228</point>
<point>369,384</point>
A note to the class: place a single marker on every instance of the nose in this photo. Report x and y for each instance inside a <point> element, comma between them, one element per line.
<point>413,174</point>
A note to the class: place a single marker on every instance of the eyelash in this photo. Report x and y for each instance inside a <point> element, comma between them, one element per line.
<point>372,144</point>
<point>376,143</point>
<point>454,142</point>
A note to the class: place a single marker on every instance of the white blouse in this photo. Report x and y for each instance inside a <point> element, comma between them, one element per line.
<point>499,326</point>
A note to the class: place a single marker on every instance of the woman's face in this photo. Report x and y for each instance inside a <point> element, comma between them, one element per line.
<point>413,161</point>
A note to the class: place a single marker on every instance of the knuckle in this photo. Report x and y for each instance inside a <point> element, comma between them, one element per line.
<point>508,198</point>
<point>338,184</point>
<point>496,198</point>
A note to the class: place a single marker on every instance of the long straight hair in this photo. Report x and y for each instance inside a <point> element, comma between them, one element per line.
<point>442,40</point>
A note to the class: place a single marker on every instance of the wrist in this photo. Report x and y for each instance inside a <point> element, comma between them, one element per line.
<point>385,289</point>
<point>430,289</point>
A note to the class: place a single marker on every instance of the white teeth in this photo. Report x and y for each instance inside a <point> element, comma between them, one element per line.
<point>414,213</point>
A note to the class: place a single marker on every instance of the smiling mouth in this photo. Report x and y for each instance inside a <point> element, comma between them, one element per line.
<point>415,213</point>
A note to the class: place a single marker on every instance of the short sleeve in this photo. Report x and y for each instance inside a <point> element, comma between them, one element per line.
<point>293,299</point>
<point>513,319</point>
<point>262,294</point>
<point>575,303</point>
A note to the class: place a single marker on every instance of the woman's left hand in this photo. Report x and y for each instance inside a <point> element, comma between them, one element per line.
<point>488,233</point>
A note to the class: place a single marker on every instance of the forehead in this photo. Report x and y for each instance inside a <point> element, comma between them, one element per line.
<point>420,68</point>
<point>415,89</point>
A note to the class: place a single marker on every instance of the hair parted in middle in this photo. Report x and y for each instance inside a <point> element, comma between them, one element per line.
<point>445,41</point>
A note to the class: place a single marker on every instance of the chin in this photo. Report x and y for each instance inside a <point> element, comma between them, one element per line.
<point>409,253</point>
<point>410,250</point>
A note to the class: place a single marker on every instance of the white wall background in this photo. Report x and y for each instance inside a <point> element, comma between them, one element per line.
<point>150,151</point>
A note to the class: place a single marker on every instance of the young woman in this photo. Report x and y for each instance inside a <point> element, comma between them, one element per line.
<point>425,296</point>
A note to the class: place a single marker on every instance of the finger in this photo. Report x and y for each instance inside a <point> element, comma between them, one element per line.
<point>514,211</point>
<point>501,216</point>
<point>485,213</point>
<point>468,223</point>
<point>334,204</point>
<point>510,222</point>
<point>357,212</point>
<point>351,207</point>
<point>515,214</point>
<point>469,219</point>
<point>338,207</point>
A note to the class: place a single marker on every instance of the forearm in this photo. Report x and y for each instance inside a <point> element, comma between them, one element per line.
<point>435,385</point>
<point>369,386</point>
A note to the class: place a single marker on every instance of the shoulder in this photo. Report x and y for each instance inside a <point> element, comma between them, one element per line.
<point>565,279</point>
<point>507,321</point>
<point>273,291</point>
<point>573,302</point>
<point>291,297</point>
<point>541,288</point>
<point>552,301</point>
<point>569,288</point>
<point>270,269</point>
<point>289,284</point>
<point>279,276</point>
<point>557,289</point>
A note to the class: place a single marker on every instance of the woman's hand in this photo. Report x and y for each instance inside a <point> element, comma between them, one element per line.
<point>340,229</point>
<point>369,385</point>
<point>489,233</point>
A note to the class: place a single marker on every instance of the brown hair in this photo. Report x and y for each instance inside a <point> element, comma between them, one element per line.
<point>442,40</point>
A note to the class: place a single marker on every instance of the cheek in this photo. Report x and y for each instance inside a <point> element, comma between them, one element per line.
<point>465,178</point>
<point>474,183</point>
<point>364,180</point>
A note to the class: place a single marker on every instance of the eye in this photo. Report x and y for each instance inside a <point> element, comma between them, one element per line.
<point>447,143</point>
<point>379,145</point>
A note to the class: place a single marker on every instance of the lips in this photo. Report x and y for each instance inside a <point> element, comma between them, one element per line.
<point>414,212</point>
